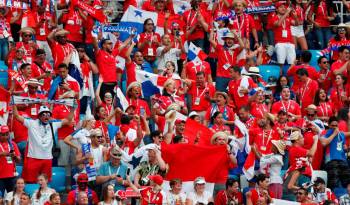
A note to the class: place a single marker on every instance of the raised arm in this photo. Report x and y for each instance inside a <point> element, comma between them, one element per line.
<point>311,152</point>
<point>68,141</point>
<point>68,120</point>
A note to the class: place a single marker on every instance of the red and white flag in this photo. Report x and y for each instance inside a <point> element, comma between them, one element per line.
<point>4,102</point>
<point>194,129</point>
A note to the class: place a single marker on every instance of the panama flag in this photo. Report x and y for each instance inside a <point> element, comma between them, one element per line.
<point>151,83</point>
<point>134,18</point>
<point>195,53</point>
<point>180,6</point>
<point>4,109</point>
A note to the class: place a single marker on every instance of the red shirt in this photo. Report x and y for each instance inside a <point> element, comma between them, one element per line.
<point>244,24</point>
<point>73,85</point>
<point>336,97</point>
<point>321,14</point>
<point>325,109</point>
<point>74,24</point>
<point>88,25</point>
<point>226,59</point>
<point>222,128</point>
<point>279,30</point>
<point>140,104</point>
<point>199,103</point>
<point>61,112</point>
<point>73,195</point>
<point>312,72</point>
<point>233,89</point>
<point>336,66</point>
<point>223,199</point>
<point>306,93</point>
<point>250,124</point>
<point>149,49</point>
<point>289,106</point>
<point>44,30</point>
<point>193,68</point>
<point>40,70</point>
<point>190,19</point>
<point>148,196</point>
<point>258,110</point>
<point>106,64</point>
<point>29,51</point>
<point>256,196</point>
<point>33,109</point>
<point>326,75</point>
<point>257,18</point>
<point>60,52</point>
<point>8,167</point>
<point>262,139</point>
<point>19,130</point>
<point>297,152</point>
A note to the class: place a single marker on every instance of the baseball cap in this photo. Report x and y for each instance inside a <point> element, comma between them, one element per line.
<point>4,129</point>
<point>44,108</point>
<point>178,121</point>
<point>156,179</point>
<point>83,178</point>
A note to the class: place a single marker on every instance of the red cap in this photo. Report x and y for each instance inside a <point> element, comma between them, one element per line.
<point>156,179</point>
<point>279,3</point>
<point>4,129</point>
<point>120,194</point>
<point>178,121</point>
<point>83,178</point>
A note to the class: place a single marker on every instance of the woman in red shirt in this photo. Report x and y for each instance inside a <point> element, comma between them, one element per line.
<point>325,108</point>
<point>339,93</point>
<point>218,123</point>
<point>258,107</point>
<point>324,14</point>
<point>148,41</point>
<point>298,29</point>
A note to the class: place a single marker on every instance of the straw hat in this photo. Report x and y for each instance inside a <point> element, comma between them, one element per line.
<point>311,107</point>
<point>221,93</point>
<point>218,134</point>
<point>228,35</point>
<point>33,82</point>
<point>280,145</point>
<point>27,30</point>
<point>295,135</point>
<point>132,85</point>
<point>254,71</point>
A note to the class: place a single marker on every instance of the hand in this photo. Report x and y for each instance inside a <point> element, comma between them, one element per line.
<point>256,45</point>
<point>167,15</point>
<point>336,131</point>
<point>317,25</point>
<point>155,39</point>
<point>119,180</point>
<point>200,17</point>
<point>289,9</point>
<point>113,176</point>
<point>65,86</point>
<point>330,18</point>
<point>4,154</point>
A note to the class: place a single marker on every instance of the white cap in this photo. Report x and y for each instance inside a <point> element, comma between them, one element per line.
<point>193,113</point>
<point>44,108</point>
<point>199,180</point>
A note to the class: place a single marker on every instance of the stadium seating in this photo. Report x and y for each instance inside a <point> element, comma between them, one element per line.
<point>19,169</point>
<point>339,191</point>
<point>31,188</point>
<point>58,181</point>
<point>267,71</point>
<point>3,74</point>
<point>315,56</point>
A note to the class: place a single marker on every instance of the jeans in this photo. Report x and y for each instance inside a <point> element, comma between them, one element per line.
<point>270,37</point>
<point>260,39</point>
<point>213,64</point>
<point>323,35</point>
<point>89,48</point>
<point>222,83</point>
<point>4,48</point>
<point>338,172</point>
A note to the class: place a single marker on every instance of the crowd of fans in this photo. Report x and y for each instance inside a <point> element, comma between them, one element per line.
<point>294,123</point>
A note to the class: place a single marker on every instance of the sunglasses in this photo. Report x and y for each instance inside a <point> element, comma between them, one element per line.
<point>334,125</point>
<point>108,96</point>
<point>325,62</point>
<point>150,24</point>
<point>45,114</point>
<point>341,29</point>
<point>81,50</point>
<point>99,137</point>
<point>27,35</point>
<point>4,134</point>
<point>311,115</point>
<point>61,36</point>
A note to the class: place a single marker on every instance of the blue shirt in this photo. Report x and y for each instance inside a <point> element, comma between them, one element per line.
<point>108,169</point>
<point>333,151</point>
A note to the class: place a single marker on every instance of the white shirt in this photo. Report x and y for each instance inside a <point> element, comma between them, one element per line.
<point>272,163</point>
<point>40,140</point>
<point>196,198</point>
<point>45,196</point>
<point>97,154</point>
<point>9,197</point>
<point>172,55</point>
<point>172,198</point>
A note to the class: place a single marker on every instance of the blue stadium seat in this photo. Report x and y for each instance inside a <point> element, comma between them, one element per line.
<point>269,70</point>
<point>31,188</point>
<point>19,169</point>
<point>58,181</point>
<point>3,75</point>
<point>315,56</point>
<point>339,191</point>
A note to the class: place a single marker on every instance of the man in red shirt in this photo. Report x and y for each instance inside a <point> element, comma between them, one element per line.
<point>60,48</point>
<point>231,195</point>
<point>72,19</point>
<point>260,195</point>
<point>201,94</point>
<point>297,151</point>
<point>341,66</point>
<point>193,67</point>
<point>239,87</point>
<point>106,63</point>
<point>9,155</point>
<point>42,70</point>
<point>227,57</point>
<point>284,44</point>
<point>324,81</point>
<point>305,60</point>
<point>307,91</point>
<point>27,44</point>
<point>82,182</point>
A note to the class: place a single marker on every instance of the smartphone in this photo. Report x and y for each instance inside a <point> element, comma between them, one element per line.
<point>128,171</point>
<point>177,33</point>
<point>142,111</point>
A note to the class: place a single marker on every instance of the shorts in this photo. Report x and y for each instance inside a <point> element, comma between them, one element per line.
<point>298,31</point>
<point>285,51</point>
<point>32,168</point>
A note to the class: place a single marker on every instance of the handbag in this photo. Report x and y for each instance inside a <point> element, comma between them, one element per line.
<point>56,151</point>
